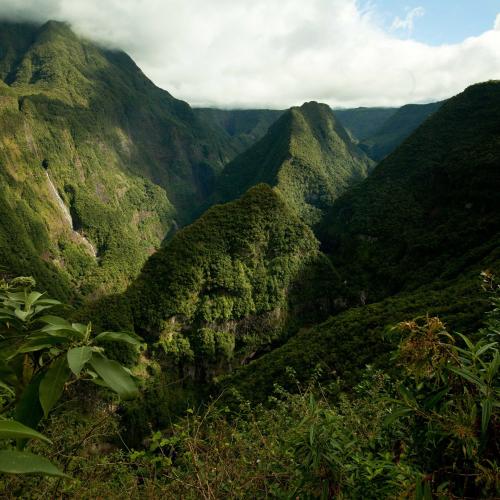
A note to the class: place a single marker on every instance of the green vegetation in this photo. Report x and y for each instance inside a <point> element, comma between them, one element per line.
<point>396,129</point>
<point>306,155</point>
<point>363,123</point>
<point>125,157</point>
<point>40,354</point>
<point>379,131</point>
<point>235,280</point>
<point>428,430</point>
<point>430,210</point>
<point>274,364</point>
<point>243,127</point>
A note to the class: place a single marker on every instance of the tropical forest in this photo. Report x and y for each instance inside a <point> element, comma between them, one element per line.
<point>283,293</point>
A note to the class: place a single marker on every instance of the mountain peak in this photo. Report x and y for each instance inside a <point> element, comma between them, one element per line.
<point>306,155</point>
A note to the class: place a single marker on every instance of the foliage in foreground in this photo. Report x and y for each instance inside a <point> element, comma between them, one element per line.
<point>40,355</point>
<point>430,432</point>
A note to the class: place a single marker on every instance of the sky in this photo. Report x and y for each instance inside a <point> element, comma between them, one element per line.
<point>279,53</point>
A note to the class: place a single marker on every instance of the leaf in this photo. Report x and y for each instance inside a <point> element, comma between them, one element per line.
<point>28,409</point>
<point>487,407</point>
<point>22,315</point>
<point>52,384</point>
<point>20,462</point>
<point>32,298</point>
<point>117,336</point>
<point>56,321</point>
<point>7,388</point>
<point>38,343</point>
<point>10,429</point>
<point>77,357</point>
<point>396,414</point>
<point>82,329</point>
<point>466,375</point>
<point>485,348</point>
<point>114,375</point>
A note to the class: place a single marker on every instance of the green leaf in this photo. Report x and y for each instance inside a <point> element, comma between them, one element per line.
<point>38,343</point>
<point>396,415</point>
<point>28,409</point>
<point>19,462</point>
<point>114,375</point>
<point>117,336</point>
<point>32,298</point>
<point>52,384</point>
<point>77,357</point>
<point>466,374</point>
<point>56,321</point>
<point>486,407</point>
<point>22,315</point>
<point>10,429</point>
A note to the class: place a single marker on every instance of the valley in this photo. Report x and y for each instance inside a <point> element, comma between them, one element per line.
<point>241,303</point>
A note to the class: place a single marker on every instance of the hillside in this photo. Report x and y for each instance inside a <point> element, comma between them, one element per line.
<point>306,155</point>
<point>240,277</point>
<point>363,123</point>
<point>400,125</point>
<point>430,209</point>
<point>409,241</point>
<point>82,130</point>
<point>242,127</point>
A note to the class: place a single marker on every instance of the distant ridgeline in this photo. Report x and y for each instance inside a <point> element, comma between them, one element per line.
<point>379,131</point>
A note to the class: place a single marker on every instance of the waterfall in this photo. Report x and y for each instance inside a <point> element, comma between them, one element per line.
<point>67,216</point>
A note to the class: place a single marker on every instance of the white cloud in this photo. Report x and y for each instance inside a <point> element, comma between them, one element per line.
<point>408,23</point>
<point>276,53</point>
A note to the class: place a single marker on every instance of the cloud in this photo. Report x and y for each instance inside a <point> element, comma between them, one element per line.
<point>265,53</point>
<point>407,24</point>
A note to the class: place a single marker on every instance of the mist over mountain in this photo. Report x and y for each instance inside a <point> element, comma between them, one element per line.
<point>129,161</point>
<point>242,303</point>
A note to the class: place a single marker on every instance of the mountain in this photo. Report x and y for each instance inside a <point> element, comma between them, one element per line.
<point>239,278</point>
<point>243,127</point>
<point>97,164</point>
<point>306,155</point>
<point>363,123</point>
<point>409,241</point>
<point>396,129</point>
<point>430,209</point>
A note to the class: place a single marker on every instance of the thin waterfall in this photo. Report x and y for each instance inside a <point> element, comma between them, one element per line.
<point>67,216</point>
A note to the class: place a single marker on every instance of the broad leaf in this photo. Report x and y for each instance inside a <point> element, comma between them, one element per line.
<point>19,462</point>
<point>114,375</point>
<point>77,357</point>
<point>10,429</point>
<point>56,321</point>
<point>41,342</point>
<point>28,409</point>
<point>32,298</point>
<point>117,336</point>
<point>52,384</point>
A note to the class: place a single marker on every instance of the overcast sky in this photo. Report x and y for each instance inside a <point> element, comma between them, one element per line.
<point>278,53</point>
